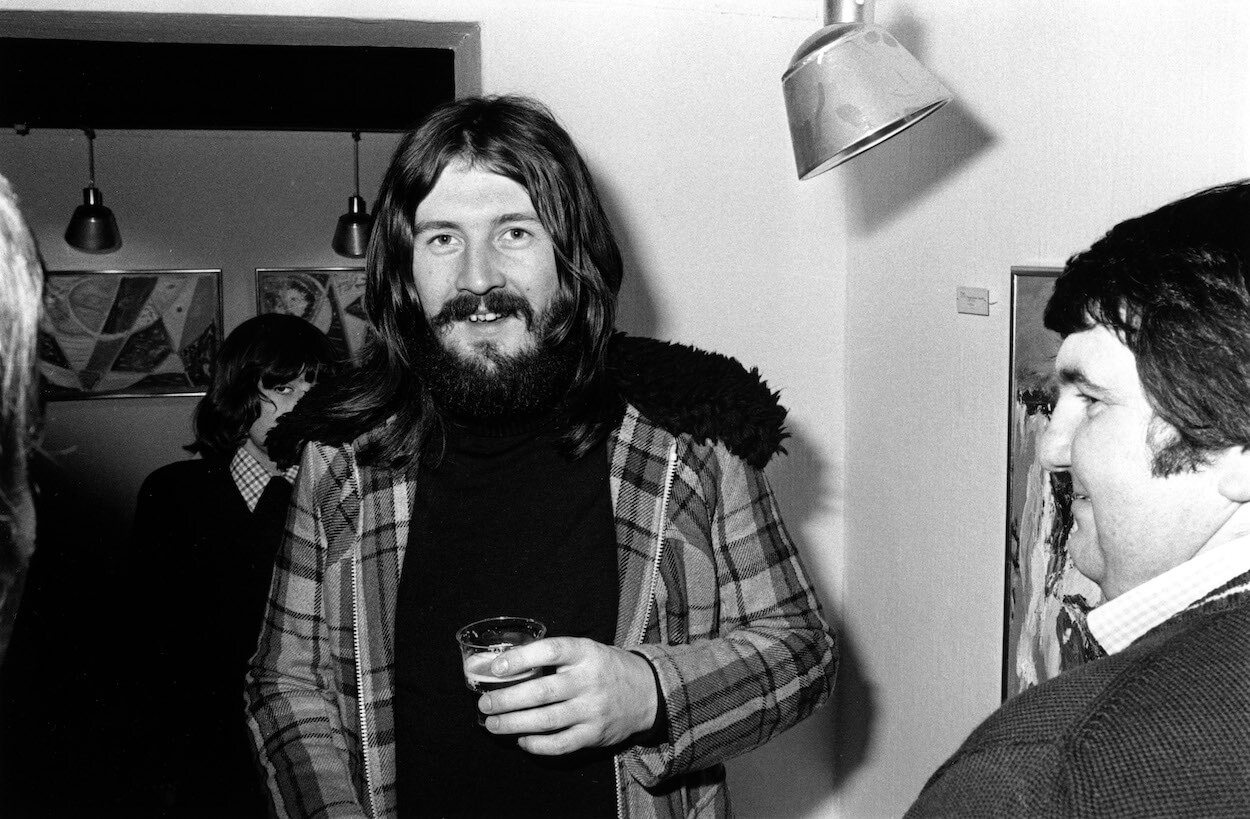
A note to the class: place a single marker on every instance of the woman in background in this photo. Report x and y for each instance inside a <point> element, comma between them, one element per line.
<point>206,532</point>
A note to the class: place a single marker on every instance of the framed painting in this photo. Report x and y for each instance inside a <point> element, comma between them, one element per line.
<point>1046,597</point>
<point>129,333</point>
<point>330,298</point>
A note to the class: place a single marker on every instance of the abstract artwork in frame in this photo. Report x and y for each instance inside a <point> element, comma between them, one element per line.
<point>129,333</point>
<point>330,298</point>
<point>1047,598</point>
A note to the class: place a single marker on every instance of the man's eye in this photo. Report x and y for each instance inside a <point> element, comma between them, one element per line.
<point>1091,402</point>
<point>441,240</point>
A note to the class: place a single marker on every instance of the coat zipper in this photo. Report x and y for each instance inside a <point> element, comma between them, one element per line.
<point>365,745</point>
<point>670,475</point>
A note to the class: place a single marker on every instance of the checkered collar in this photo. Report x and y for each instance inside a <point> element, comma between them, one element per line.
<point>1117,623</point>
<point>251,477</point>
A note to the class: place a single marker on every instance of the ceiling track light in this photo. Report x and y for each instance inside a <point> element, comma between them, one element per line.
<point>351,237</point>
<point>93,228</point>
<point>851,86</point>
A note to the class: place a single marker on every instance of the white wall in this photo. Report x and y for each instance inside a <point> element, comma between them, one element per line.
<point>1070,116</point>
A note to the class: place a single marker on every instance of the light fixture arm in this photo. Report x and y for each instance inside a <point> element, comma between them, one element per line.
<point>356,153</point>
<point>848,11</point>
<point>90,132</point>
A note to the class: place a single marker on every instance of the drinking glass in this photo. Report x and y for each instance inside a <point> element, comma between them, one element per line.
<point>482,641</point>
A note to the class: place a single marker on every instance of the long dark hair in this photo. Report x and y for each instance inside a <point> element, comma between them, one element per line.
<point>517,138</point>
<point>21,288</point>
<point>1172,285</point>
<point>267,350</point>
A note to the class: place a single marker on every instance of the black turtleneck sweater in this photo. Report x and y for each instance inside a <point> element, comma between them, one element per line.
<point>504,525</point>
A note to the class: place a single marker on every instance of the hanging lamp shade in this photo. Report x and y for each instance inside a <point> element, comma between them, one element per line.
<point>851,86</point>
<point>93,228</point>
<point>351,236</point>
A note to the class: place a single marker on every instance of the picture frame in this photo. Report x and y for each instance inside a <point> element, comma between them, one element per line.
<point>1047,598</point>
<point>329,298</point>
<point>129,333</point>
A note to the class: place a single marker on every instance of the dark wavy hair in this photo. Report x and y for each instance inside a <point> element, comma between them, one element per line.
<point>517,138</point>
<point>1172,285</point>
<point>269,350</point>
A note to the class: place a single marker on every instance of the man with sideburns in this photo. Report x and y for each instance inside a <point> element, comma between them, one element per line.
<point>501,450</point>
<point>1152,425</point>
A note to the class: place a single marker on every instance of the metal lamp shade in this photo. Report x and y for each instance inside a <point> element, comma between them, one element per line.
<point>351,237</point>
<point>849,87</point>
<point>93,228</point>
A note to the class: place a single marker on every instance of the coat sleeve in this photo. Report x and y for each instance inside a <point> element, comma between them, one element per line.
<point>769,659</point>
<point>296,695</point>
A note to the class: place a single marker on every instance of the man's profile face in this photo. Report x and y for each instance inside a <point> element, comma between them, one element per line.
<point>481,250</point>
<point>1128,525</point>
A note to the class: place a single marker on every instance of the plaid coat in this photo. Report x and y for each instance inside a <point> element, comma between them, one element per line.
<point>712,593</point>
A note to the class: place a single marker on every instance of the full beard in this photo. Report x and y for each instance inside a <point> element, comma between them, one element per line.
<point>491,384</point>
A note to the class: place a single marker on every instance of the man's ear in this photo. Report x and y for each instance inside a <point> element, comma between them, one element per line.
<point>1234,466</point>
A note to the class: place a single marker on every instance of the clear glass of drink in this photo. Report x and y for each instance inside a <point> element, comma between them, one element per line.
<point>482,641</point>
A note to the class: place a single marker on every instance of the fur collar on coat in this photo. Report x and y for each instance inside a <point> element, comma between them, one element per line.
<point>705,395</point>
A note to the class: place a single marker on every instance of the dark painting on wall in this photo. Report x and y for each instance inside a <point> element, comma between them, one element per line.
<point>330,298</point>
<point>1047,598</point>
<point>124,333</point>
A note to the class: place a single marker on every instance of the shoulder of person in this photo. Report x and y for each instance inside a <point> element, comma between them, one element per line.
<point>706,395</point>
<point>176,476</point>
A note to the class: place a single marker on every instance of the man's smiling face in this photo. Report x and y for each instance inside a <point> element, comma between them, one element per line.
<point>483,264</point>
<point>1129,524</point>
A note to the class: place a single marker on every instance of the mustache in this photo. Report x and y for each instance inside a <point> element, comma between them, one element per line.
<point>503,302</point>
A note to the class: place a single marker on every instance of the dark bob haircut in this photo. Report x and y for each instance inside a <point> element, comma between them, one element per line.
<point>1172,285</point>
<point>268,350</point>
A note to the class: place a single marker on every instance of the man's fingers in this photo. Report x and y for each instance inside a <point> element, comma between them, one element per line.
<point>552,651</point>
<point>597,696</point>
<point>564,742</point>
<point>545,720</point>
<point>531,693</point>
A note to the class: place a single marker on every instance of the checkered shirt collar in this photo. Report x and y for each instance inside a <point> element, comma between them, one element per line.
<point>1117,623</point>
<point>251,477</point>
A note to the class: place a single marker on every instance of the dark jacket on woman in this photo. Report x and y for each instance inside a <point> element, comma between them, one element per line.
<point>206,562</point>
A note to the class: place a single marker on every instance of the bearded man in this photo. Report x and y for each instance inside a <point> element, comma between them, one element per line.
<point>500,451</point>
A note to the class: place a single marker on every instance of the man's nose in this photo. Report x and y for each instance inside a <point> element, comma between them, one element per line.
<point>1054,451</point>
<point>479,270</point>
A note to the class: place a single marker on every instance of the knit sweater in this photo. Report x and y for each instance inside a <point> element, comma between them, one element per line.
<point>1159,729</point>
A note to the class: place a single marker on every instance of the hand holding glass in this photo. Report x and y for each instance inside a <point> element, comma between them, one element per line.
<point>481,642</point>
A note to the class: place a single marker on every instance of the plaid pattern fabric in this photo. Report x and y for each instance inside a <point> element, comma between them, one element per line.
<point>251,478</point>
<point>712,593</point>
<point>1118,623</point>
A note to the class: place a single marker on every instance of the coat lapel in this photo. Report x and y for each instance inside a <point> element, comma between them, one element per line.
<point>638,463</point>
